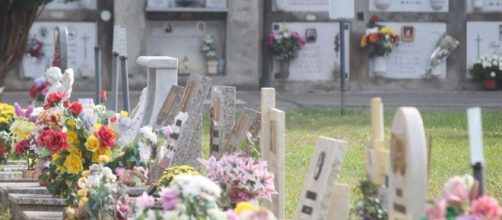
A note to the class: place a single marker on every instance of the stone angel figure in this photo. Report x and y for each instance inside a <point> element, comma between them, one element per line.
<point>59,82</point>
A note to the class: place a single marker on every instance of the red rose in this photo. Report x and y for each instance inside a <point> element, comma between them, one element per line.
<point>374,19</point>
<point>76,108</point>
<point>33,92</point>
<point>22,146</point>
<point>54,98</point>
<point>113,119</point>
<point>53,140</point>
<point>66,103</point>
<point>106,136</point>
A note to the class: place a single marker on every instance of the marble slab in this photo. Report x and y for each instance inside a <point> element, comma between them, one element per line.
<point>42,215</point>
<point>486,6</point>
<point>483,38</point>
<point>409,5</point>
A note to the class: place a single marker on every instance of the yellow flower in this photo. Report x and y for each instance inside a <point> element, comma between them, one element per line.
<point>388,30</point>
<point>74,151</point>
<point>99,152</point>
<point>72,123</point>
<point>82,192</point>
<point>103,159</point>
<point>73,164</point>
<point>55,157</point>
<point>86,173</point>
<point>22,129</point>
<point>244,207</point>
<point>92,143</point>
<point>96,126</point>
<point>72,137</point>
<point>124,114</point>
<point>83,201</point>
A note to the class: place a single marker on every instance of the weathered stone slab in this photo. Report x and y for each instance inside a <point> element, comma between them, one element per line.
<point>12,167</point>
<point>317,194</point>
<point>42,215</point>
<point>408,171</point>
<point>11,175</point>
<point>340,203</point>
<point>170,108</point>
<point>13,187</point>
<point>222,114</point>
<point>33,202</point>
<point>248,124</point>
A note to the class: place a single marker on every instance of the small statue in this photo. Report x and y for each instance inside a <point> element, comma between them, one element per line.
<point>59,82</point>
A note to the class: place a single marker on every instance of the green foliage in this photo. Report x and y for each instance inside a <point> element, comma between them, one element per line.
<point>369,207</point>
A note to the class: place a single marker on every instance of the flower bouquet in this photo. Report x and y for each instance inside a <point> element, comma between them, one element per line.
<point>209,51</point>
<point>488,68</point>
<point>459,200</point>
<point>38,91</point>
<point>369,207</point>
<point>285,45</point>
<point>380,41</point>
<point>23,140</point>
<point>6,119</point>
<point>241,178</point>
<point>445,46</point>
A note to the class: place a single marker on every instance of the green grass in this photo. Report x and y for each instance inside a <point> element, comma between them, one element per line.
<point>450,151</point>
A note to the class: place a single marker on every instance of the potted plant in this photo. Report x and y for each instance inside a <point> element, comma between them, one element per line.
<point>380,41</point>
<point>209,51</point>
<point>487,69</point>
<point>285,45</point>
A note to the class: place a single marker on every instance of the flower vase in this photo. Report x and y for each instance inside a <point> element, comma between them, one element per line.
<point>382,4</point>
<point>29,175</point>
<point>489,84</point>
<point>283,69</point>
<point>478,4</point>
<point>379,65</point>
<point>212,67</point>
<point>437,4</point>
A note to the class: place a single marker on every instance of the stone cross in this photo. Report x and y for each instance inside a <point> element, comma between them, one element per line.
<point>478,41</point>
<point>187,120</point>
<point>317,194</point>
<point>272,144</point>
<point>377,157</point>
<point>247,126</point>
<point>222,113</point>
<point>408,171</point>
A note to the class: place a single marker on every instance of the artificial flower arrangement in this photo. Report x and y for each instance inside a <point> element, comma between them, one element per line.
<point>369,206</point>
<point>379,39</point>
<point>208,48</point>
<point>285,44</point>
<point>488,68</point>
<point>445,46</point>
<point>459,200</point>
<point>38,90</point>
<point>194,197</point>
<point>21,131</point>
<point>241,177</point>
<point>6,119</point>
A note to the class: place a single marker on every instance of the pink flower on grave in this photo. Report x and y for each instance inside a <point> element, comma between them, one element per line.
<point>231,215</point>
<point>270,39</point>
<point>167,130</point>
<point>144,202</point>
<point>455,190</point>
<point>437,211</point>
<point>487,208</point>
<point>170,198</point>
<point>122,208</point>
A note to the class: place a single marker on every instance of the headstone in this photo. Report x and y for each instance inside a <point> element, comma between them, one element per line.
<point>483,38</point>
<point>409,6</point>
<point>317,194</point>
<point>136,116</point>
<point>183,39</point>
<point>340,202</point>
<point>246,127</point>
<point>483,6</point>
<point>320,56</point>
<point>302,6</point>
<point>42,215</point>
<point>80,46</point>
<point>185,124</point>
<point>119,48</point>
<point>410,59</point>
<point>162,75</point>
<point>170,107</point>
<point>222,113</point>
<point>408,171</point>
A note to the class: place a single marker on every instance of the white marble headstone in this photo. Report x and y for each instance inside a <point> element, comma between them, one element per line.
<point>409,5</point>
<point>483,6</point>
<point>408,172</point>
<point>302,5</point>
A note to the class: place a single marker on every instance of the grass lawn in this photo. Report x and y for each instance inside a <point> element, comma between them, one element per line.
<point>450,152</point>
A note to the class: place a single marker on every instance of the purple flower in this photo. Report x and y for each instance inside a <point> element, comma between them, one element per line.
<point>170,198</point>
<point>144,202</point>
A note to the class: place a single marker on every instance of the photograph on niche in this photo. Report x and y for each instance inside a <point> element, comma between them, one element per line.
<point>407,33</point>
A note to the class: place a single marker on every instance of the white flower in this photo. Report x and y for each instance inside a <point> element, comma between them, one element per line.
<point>371,31</point>
<point>287,35</point>
<point>147,132</point>
<point>36,111</point>
<point>145,151</point>
<point>93,180</point>
<point>492,74</point>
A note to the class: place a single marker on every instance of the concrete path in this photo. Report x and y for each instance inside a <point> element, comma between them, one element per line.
<point>354,100</point>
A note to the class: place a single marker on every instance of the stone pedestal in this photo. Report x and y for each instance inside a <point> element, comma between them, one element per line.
<point>162,73</point>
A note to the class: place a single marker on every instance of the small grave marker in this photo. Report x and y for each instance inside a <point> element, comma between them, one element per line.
<point>377,157</point>
<point>222,115</point>
<point>476,145</point>
<point>247,125</point>
<point>317,194</point>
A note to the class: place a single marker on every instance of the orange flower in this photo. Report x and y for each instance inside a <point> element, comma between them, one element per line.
<point>373,38</point>
<point>364,42</point>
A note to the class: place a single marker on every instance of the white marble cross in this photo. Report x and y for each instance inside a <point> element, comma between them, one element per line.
<point>377,157</point>
<point>408,172</point>
<point>320,184</point>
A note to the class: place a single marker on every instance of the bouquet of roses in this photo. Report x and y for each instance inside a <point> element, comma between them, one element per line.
<point>285,44</point>
<point>242,178</point>
<point>379,39</point>
<point>459,200</point>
